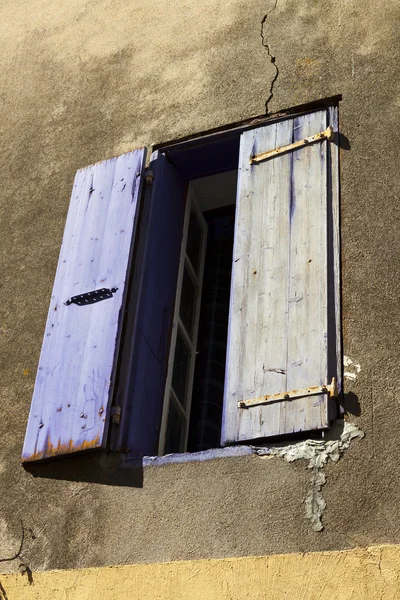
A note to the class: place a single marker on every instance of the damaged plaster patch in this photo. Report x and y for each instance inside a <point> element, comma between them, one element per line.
<point>315,502</point>
<point>318,453</point>
<point>352,368</point>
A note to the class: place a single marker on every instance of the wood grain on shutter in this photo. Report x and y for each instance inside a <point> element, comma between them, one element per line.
<point>278,319</point>
<point>71,398</point>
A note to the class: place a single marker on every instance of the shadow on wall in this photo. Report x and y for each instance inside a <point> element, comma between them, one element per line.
<point>100,467</point>
<point>115,469</point>
<point>351,404</point>
<point>342,141</point>
<point>112,468</point>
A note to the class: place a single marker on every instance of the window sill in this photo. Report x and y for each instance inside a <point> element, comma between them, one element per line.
<point>188,457</point>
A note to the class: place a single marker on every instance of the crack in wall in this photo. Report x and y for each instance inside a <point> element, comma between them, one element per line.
<point>318,453</point>
<point>3,593</point>
<point>23,566</point>
<point>270,55</point>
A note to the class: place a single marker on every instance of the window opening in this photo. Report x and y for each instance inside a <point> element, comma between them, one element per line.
<point>193,398</point>
<point>209,376</point>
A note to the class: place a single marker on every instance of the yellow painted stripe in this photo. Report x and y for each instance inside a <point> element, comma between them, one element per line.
<point>358,574</point>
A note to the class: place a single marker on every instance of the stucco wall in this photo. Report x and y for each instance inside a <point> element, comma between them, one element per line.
<point>351,574</point>
<point>83,81</point>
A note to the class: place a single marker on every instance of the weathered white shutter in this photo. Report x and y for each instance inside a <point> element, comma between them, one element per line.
<point>278,330</point>
<point>70,405</point>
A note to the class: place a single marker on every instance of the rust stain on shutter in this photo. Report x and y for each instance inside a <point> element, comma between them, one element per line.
<point>50,450</point>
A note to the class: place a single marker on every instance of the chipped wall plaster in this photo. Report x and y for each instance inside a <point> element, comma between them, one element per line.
<point>318,453</point>
<point>352,369</point>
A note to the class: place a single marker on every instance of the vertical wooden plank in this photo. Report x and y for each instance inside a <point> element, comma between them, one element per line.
<point>257,337</point>
<point>308,282</point>
<point>72,392</point>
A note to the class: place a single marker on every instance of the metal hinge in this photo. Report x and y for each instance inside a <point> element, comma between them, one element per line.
<point>331,389</point>
<point>149,177</point>
<point>116,415</point>
<point>318,137</point>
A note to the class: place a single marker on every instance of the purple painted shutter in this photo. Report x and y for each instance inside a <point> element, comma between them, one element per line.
<point>145,352</point>
<point>282,324</point>
<point>71,399</point>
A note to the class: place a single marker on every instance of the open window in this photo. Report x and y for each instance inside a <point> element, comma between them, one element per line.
<point>193,400</point>
<point>217,321</point>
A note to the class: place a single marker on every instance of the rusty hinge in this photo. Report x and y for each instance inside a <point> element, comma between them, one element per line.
<point>302,393</point>
<point>318,137</point>
<point>116,415</point>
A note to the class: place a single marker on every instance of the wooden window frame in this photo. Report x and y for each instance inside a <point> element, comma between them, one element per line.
<point>178,326</point>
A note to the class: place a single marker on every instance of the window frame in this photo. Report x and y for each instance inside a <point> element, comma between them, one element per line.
<point>206,153</point>
<point>179,326</point>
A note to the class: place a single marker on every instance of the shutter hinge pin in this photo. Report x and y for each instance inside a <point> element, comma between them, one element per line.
<point>116,415</point>
<point>149,177</point>
<point>330,389</point>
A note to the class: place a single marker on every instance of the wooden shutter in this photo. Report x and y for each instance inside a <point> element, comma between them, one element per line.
<point>145,353</point>
<point>278,330</point>
<point>70,405</point>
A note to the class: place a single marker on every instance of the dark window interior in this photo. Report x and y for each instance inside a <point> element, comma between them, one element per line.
<point>208,386</point>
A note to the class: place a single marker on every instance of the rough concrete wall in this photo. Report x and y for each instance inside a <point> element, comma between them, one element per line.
<point>82,81</point>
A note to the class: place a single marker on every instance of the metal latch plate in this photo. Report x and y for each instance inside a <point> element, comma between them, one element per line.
<point>91,297</point>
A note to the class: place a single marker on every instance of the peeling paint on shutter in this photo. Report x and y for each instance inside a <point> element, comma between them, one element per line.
<point>278,330</point>
<point>70,405</point>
